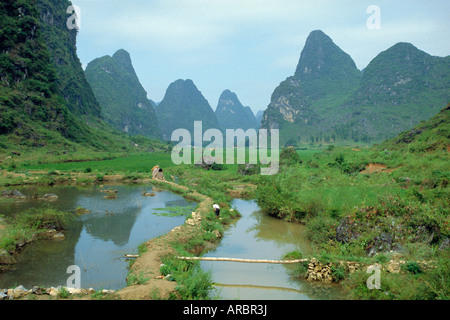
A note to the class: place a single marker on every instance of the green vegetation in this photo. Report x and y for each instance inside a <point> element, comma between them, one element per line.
<point>28,226</point>
<point>329,100</point>
<point>193,282</point>
<point>377,205</point>
<point>135,163</point>
<point>231,114</point>
<point>47,109</point>
<point>183,104</point>
<point>123,100</point>
<point>387,204</point>
<point>173,211</point>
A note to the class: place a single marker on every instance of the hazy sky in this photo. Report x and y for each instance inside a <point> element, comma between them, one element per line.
<point>248,46</point>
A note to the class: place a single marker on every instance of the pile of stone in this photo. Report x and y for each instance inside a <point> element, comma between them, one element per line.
<point>318,271</point>
<point>22,292</point>
<point>12,194</point>
<point>351,266</point>
<point>195,220</point>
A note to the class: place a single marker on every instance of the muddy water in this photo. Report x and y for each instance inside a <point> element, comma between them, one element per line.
<point>258,236</point>
<point>98,240</point>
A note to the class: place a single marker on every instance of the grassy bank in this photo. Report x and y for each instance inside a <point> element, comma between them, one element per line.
<point>27,226</point>
<point>371,206</point>
<point>158,257</point>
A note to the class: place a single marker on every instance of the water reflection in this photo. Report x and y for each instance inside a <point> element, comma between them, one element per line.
<point>97,241</point>
<point>257,236</point>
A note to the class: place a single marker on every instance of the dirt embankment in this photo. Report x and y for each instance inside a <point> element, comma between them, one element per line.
<point>375,168</point>
<point>149,263</point>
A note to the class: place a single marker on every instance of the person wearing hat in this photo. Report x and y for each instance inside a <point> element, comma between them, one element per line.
<point>155,170</point>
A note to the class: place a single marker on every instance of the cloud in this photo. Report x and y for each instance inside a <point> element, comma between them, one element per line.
<point>250,45</point>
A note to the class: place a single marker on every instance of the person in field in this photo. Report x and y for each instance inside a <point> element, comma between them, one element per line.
<point>216,209</point>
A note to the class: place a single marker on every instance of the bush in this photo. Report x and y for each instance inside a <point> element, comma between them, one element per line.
<point>293,255</point>
<point>248,169</point>
<point>195,285</point>
<point>412,267</point>
<point>289,157</point>
<point>217,166</point>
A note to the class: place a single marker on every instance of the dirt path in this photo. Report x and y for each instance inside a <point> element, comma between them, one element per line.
<point>149,263</point>
<point>375,168</point>
<point>147,266</point>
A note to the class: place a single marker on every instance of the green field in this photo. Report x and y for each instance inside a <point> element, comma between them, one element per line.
<point>407,199</point>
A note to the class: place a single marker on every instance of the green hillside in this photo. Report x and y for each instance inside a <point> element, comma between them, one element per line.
<point>183,104</point>
<point>123,100</point>
<point>329,101</point>
<point>231,114</point>
<point>428,136</point>
<point>43,113</point>
<point>61,44</point>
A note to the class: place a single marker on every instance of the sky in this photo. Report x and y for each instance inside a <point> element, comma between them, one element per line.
<point>249,46</point>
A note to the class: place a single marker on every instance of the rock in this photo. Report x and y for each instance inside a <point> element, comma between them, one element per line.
<point>12,194</point>
<point>168,277</point>
<point>318,271</point>
<point>345,231</point>
<point>427,234</point>
<point>445,244</point>
<point>16,293</point>
<point>58,236</point>
<point>393,266</point>
<point>3,295</point>
<point>50,197</point>
<point>53,292</point>
<point>190,222</point>
<point>104,291</point>
<point>207,162</point>
<point>195,220</point>
<point>382,243</point>
<point>148,194</point>
<point>108,191</point>
<point>6,258</point>
<point>37,290</point>
<point>352,266</point>
<point>217,233</point>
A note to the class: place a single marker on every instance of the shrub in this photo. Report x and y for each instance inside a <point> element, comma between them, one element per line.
<point>195,285</point>
<point>412,267</point>
<point>293,255</point>
<point>289,157</point>
<point>217,166</point>
<point>248,169</point>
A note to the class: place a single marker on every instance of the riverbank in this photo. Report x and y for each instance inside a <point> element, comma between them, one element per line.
<point>148,265</point>
<point>145,279</point>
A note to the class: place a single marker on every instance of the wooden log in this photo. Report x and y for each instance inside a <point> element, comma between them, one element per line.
<point>245,260</point>
<point>132,256</point>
